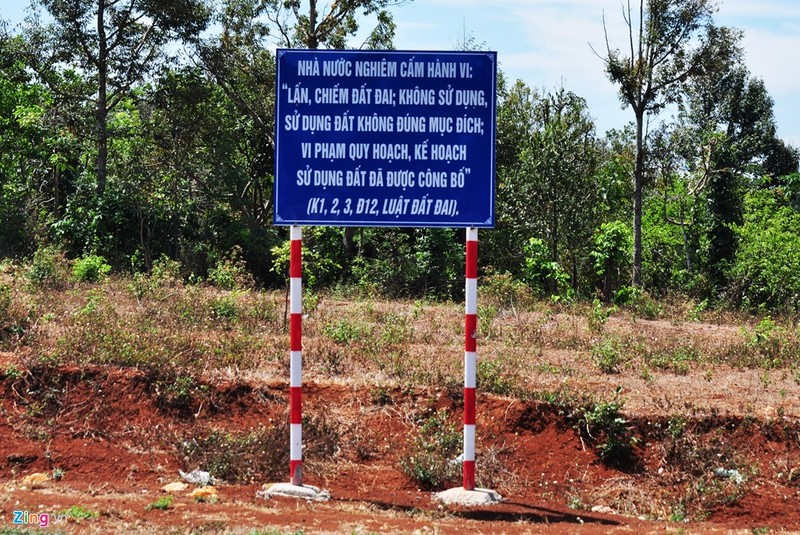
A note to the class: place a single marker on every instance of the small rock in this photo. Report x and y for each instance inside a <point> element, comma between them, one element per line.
<point>197,477</point>
<point>175,487</point>
<point>603,510</point>
<point>733,475</point>
<point>35,481</point>
<point>204,494</point>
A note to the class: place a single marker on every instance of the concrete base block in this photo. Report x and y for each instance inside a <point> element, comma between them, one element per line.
<point>461,496</point>
<point>303,492</point>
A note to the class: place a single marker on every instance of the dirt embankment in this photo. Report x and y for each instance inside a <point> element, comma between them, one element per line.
<point>115,436</point>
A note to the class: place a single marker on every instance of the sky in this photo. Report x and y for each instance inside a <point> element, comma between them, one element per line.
<point>548,44</point>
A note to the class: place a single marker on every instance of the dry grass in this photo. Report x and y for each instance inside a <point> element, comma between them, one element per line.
<point>184,338</point>
<point>525,346</point>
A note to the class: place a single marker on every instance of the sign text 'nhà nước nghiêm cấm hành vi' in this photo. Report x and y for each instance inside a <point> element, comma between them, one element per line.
<point>385,138</point>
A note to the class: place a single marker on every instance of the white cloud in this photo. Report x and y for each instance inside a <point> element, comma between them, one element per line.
<point>773,58</point>
<point>748,10</point>
<point>546,44</point>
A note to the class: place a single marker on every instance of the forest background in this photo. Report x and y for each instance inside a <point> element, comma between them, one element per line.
<point>138,135</point>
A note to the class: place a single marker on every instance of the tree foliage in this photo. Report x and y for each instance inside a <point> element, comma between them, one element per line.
<point>313,24</point>
<point>722,144</point>
<point>549,180</point>
<point>130,141</point>
<point>766,270</point>
<point>111,44</point>
<point>669,42</point>
<point>730,113</point>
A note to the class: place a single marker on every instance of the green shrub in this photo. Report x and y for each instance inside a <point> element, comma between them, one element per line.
<point>161,504</point>
<point>5,305</point>
<point>639,302</point>
<point>406,262</point>
<point>165,271</point>
<point>48,269</point>
<point>224,308</point>
<point>91,268</point>
<point>503,291</point>
<point>603,424</point>
<point>439,257</point>
<point>486,317</point>
<point>645,306</point>
<point>675,359</point>
<point>179,392</point>
<point>624,296</point>
<point>607,355</point>
<point>258,454</point>
<point>545,275</point>
<point>394,331</point>
<point>610,256</point>
<point>432,462</point>
<point>12,372</point>
<point>765,273</point>
<point>230,273</point>
<point>491,377</point>
<point>598,316</point>
<point>768,345</point>
<point>78,513</point>
<point>345,331</point>
<point>238,457</point>
<point>402,263</point>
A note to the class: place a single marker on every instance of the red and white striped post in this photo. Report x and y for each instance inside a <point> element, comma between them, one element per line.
<point>295,488</point>
<point>468,494</point>
<point>296,363</point>
<point>470,357</point>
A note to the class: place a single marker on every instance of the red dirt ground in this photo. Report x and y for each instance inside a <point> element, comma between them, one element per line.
<point>116,445</point>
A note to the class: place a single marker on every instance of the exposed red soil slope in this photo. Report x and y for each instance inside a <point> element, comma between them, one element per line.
<point>115,437</point>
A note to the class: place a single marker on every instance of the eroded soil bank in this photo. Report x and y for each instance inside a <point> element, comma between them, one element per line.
<point>113,436</point>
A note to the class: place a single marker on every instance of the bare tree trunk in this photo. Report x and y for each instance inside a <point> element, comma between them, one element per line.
<point>102,97</point>
<point>638,179</point>
<point>313,39</point>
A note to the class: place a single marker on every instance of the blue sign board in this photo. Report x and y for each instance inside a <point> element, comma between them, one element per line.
<point>385,138</point>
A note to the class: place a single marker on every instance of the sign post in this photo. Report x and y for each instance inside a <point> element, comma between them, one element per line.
<point>296,362</point>
<point>387,139</point>
<point>470,357</point>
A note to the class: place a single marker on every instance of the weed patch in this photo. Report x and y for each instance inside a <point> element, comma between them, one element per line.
<point>603,425</point>
<point>14,318</point>
<point>180,393</point>
<point>769,346</point>
<point>345,331</point>
<point>674,359</point>
<point>608,355</point>
<point>260,454</point>
<point>224,309</point>
<point>492,376</point>
<point>433,462</point>
<point>238,457</point>
<point>231,273</point>
<point>91,268</point>
<point>78,514</point>
<point>505,292</point>
<point>161,504</point>
<point>48,269</point>
<point>598,315</point>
